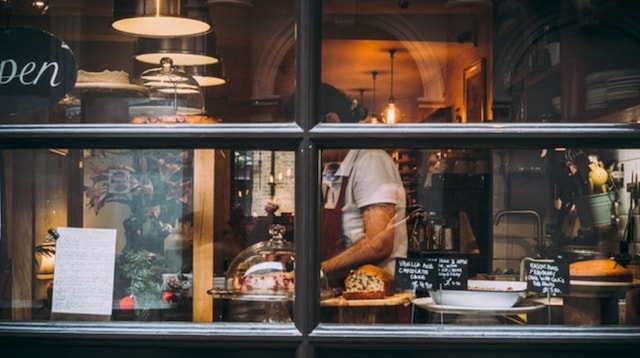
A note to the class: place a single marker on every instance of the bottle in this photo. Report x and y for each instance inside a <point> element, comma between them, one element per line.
<point>435,232</point>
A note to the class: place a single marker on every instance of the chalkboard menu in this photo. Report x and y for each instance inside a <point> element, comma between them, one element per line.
<point>453,273</point>
<point>432,273</point>
<point>547,277</point>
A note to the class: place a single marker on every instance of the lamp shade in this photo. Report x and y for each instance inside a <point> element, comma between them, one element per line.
<point>184,51</point>
<point>208,76</point>
<point>155,18</point>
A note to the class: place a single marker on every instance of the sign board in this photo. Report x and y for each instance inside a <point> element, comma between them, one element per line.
<point>84,271</point>
<point>547,277</point>
<point>416,274</point>
<point>432,273</point>
<point>37,69</point>
<point>453,273</point>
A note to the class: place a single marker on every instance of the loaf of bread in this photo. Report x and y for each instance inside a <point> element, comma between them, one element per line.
<point>368,282</point>
<point>607,270</point>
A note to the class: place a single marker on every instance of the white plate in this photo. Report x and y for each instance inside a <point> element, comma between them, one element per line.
<point>428,304</point>
<point>599,289</point>
<point>109,86</point>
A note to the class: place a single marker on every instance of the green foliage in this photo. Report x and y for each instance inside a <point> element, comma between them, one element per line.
<point>144,269</point>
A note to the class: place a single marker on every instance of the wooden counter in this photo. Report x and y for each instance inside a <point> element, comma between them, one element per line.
<point>391,309</point>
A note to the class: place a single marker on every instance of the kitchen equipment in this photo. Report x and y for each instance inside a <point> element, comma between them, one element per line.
<point>597,209</point>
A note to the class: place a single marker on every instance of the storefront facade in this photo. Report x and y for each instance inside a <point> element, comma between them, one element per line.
<point>514,114</point>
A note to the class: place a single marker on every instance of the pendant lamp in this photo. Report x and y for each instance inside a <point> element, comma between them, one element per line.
<point>391,113</point>
<point>374,114</point>
<point>210,75</point>
<point>155,18</point>
<point>184,51</point>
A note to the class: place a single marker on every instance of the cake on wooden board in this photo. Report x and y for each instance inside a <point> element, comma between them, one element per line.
<point>368,282</point>
<point>105,76</point>
<point>606,270</point>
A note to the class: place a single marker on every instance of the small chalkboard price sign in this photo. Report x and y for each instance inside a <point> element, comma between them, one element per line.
<point>550,278</point>
<point>453,273</point>
<point>416,274</point>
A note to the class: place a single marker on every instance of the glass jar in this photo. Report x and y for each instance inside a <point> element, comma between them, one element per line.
<point>171,92</point>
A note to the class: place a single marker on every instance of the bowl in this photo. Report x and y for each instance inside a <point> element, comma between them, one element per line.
<point>482,294</point>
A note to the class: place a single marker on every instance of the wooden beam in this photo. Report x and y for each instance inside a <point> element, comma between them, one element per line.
<point>203,229</point>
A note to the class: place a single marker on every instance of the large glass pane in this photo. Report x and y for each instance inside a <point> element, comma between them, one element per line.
<point>147,235</point>
<point>460,61</point>
<point>503,236</point>
<point>81,70</point>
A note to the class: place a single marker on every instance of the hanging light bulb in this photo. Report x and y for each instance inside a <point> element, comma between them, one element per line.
<point>391,113</point>
<point>374,115</point>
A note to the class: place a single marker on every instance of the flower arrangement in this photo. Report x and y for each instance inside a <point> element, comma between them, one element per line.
<point>156,185</point>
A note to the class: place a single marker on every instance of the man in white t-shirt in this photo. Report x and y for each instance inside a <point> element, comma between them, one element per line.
<point>373,209</point>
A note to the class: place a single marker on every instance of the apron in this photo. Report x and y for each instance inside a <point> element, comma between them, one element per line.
<point>331,242</point>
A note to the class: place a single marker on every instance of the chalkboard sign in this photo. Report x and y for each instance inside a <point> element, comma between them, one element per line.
<point>416,274</point>
<point>547,277</point>
<point>453,273</point>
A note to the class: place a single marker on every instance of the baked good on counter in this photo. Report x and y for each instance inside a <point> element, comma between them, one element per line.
<point>368,282</point>
<point>269,283</point>
<point>177,118</point>
<point>105,76</point>
<point>607,270</point>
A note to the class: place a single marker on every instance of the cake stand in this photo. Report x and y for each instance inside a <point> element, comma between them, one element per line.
<point>276,307</point>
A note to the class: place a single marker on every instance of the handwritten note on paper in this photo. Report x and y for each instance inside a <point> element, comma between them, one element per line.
<point>84,270</point>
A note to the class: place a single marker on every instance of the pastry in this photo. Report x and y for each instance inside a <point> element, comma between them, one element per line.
<point>607,270</point>
<point>105,76</point>
<point>368,282</point>
<point>265,283</point>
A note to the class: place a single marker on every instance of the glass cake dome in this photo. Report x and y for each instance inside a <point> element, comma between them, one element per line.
<point>171,92</point>
<point>264,270</point>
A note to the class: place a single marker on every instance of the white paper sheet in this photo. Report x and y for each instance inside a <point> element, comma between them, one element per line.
<point>84,271</point>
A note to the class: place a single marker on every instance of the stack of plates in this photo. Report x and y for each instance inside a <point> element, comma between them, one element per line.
<point>607,86</point>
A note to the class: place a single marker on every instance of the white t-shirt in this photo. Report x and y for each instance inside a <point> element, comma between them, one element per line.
<point>373,179</point>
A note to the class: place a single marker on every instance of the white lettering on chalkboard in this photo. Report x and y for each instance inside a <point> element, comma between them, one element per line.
<point>28,75</point>
<point>545,278</point>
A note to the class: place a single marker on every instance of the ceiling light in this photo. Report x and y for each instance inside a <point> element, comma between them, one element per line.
<point>391,113</point>
<point>155,18</point>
